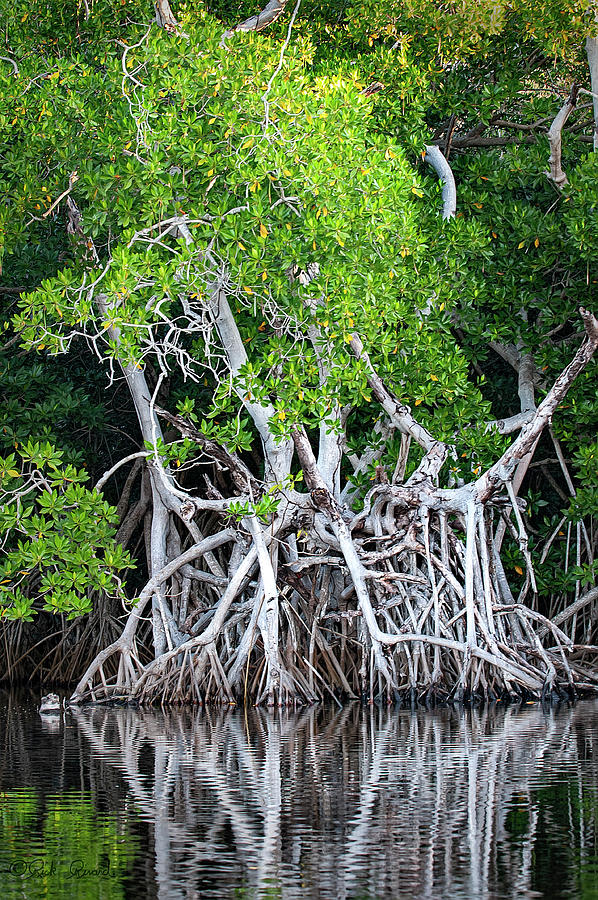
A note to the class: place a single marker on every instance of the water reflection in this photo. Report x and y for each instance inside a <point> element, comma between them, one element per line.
<point>342,804</point>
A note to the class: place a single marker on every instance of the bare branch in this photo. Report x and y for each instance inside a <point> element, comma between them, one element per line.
<point>592,55</point>
<point>278,68</point>
<point>12,62</point>
<point>555,136</point>
<point>141,454</point>
<point>434,157</point>
<point>72,180</point>
<point>502,470</point>
<point>12,290</point>
<point>401,416</point>
<point>373,88</point>
<point>590,597</point>
<point>510,424</point>
<point>239,471</point>
<point>124,641</point>
<point>268,14</point>
<point>164,15</point>
<point>323,500</point>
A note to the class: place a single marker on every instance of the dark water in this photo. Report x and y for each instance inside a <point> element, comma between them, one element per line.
<point>335,804</point>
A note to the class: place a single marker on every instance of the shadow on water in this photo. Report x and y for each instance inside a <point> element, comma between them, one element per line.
<point>347,803</point>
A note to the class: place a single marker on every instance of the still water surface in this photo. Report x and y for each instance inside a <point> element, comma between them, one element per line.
<point>325,803</point>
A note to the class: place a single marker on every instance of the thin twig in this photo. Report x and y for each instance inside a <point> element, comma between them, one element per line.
<point>283,50</point>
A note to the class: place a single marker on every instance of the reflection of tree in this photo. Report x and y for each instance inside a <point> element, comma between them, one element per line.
<point>378,805</point>
<point>57,810</point>
<point>66,850</point>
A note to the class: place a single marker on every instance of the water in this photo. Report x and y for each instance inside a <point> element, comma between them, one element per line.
<point>327,803</point>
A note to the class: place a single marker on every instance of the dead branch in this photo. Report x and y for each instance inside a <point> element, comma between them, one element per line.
<point>587,599</point>
<point>555,138</point>
<point>592,55</point>
<point>165,16</point>
<point>141,454</point>
<point>269,14</point>
<point>434,157</point>
<point>12,62</point>
<point>241,475</point>
<point>502,470</point>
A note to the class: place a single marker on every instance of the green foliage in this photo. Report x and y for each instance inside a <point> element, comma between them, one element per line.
<point>64,849</point>
<point>457,29</point>
<point>355,192</point>
<point>58,536</point>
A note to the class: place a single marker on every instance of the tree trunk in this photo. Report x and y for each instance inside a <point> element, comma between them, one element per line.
<point>592,54</point>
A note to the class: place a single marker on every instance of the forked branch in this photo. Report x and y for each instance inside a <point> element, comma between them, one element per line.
<point>502,470</point>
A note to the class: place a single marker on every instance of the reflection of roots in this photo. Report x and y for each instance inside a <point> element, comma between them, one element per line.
<point>217,787</point>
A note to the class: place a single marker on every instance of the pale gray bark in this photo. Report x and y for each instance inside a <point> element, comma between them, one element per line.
<point>555,139</point>
<point>525,388</point>
<point>592,55</point>
<point>399,414</point>
<point>323,498</point>
<point>269,14</point>
<point>590,598</point>
<point>511,423</point>
<point>125,641</point>
<point>164,15</point>
<point>140,454</point>
<point>436,159</point>
<point>330,451</point>
<point>150,432</point>
<point>503,470</point>
<point>278,454</point>
<point>12,63</point>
